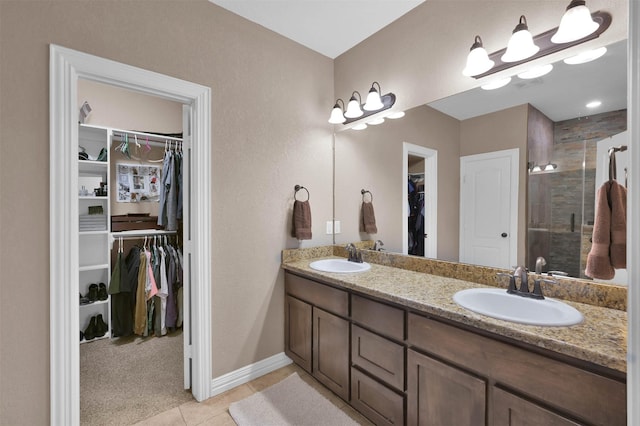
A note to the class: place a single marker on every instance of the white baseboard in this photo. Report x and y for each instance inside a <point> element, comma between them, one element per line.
<point>248,373</point>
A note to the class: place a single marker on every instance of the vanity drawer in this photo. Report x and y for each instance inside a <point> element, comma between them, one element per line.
<point>379,356</point>
<point>375,401</point>
<point>567,387</point>
<point>328,298</point>
<point>379,317</point>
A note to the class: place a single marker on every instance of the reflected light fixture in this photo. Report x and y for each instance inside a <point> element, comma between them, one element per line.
<point>593,104</point>
<point>353,107</point>
<point>337,115</point>
<point>536,72</point>
<point>550,167</point>
<point>536,168</point>
<point>373,98</point>
<point>395,115</point>
<point>496,84</point>
<point>376,121</point>
<point>521,45</point>
<point>360,126</point>
<point>575,24</point>
<point>584,57</point>
<point>478,60</point>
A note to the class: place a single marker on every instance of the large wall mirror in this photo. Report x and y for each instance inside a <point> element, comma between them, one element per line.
<point>562,160</point>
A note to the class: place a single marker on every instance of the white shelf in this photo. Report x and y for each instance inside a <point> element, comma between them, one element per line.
<point>97,302</point>
<point>90,166</point>
<point>106,336</point>
<point>93,232</point>
<point>91,197</point>
<point>93,267</point>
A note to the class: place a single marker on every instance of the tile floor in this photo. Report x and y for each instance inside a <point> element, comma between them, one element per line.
<point>215,411</point>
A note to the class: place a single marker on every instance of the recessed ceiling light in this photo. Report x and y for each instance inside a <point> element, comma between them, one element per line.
<point>360,126</point>
<point>536,72</point>
<point>376,121</point>
<point>397,114</point>
<point>593,104</point>
<point>496,84</point>
<point>587,56</point>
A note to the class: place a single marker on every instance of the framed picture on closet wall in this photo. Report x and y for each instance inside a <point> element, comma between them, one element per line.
<point>138,183</point>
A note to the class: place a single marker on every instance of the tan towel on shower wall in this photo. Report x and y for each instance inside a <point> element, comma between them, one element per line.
<point>609,241</point>
<point>368,222</point>
<point>301,220</point>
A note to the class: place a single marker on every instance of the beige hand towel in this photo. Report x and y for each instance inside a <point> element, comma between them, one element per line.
<point>618,203</point>
<point>368,222</point>
<point>301,220</point>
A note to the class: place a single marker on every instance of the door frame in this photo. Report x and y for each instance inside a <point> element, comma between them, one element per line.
<point>430,200</point>
<point>514,157</point>
<point>66,66</point>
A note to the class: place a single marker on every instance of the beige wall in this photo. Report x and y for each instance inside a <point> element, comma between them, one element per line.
<point>498,131</point>
<point>270,97</point>
<point>372,159</point>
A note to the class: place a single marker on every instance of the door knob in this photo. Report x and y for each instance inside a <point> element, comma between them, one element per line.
<point>504,235</point>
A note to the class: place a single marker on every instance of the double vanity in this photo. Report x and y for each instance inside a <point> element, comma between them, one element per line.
<point>392,342</point>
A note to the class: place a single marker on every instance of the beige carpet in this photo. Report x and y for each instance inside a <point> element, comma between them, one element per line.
<point>290,402</point>
<point>125,380</point>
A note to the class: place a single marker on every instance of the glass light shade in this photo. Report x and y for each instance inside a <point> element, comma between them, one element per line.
<point>353,109</point>
<point>550,167</point>
<point>536,168</point>
<point>584,57</point>
<point>593,104</point>
<point>496,84</point>
<point>536,72</point>
<point>360,126</point>
<point>376,121</point>
<point>337,116</point>
<point>396,115</point>
<point>478,62</point>
<point>520,47</point>
<point>373,101</point>
<point>575,24</point>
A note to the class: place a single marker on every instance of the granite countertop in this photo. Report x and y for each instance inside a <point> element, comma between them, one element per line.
<point>600,339</point>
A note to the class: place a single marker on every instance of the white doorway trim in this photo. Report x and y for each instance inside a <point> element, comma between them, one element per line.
<point>66,66</point>
<point>430,197</point>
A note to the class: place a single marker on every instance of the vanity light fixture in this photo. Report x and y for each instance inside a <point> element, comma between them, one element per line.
<point>480,65</point>
<point>353,107</point>
<point>584,57</point>
<point>536,72</point>
<point>395,115</point>
<point>550,167</point>
<point>356,111</point>
<point>593,104</point>
<point>575,24</point>
<point>374,102</point>
<point>478,61</point>
<point>337,114</point>
<point>496,84</point>
<point>521,45</point>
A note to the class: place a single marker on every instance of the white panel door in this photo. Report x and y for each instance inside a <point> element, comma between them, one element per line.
<point>488,209</point>
<point>186,246</point>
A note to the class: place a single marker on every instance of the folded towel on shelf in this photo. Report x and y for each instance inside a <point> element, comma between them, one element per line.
<point>609,240</point>
<point>368,222</point>
<point>301,220</point>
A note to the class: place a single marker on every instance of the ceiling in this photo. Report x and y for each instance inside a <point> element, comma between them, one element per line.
<point>330,27</point>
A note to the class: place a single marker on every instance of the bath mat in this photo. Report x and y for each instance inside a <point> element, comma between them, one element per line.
<point>290,402</point>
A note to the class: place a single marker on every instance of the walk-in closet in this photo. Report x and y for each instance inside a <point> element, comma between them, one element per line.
<point>132,276</point>
<point>416,233</point>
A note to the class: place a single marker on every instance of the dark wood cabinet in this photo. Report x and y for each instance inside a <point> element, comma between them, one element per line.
<point>331,352</point>
<point>510,410</point>
<point>375,401</point>
<point>297,336</point>
<point>438,394</point>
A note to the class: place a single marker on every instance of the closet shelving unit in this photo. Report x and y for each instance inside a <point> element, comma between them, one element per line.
<point>94,259</point>
<point>95,245</point>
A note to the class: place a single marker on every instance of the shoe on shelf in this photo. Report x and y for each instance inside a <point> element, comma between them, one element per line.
<point>102,292</point>
<point>101,326</point>
<point>84,300</point>
<point>81,335</point>
<point>93,292</point>
<point>90,331</point>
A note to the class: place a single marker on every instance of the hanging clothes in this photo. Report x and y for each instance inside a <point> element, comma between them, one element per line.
<point>170,208</point>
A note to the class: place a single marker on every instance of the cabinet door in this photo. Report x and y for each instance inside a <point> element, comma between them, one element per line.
<point>297,326</point>
<point>331,352</point>
<point>510,410</point>
<point>438,394</point>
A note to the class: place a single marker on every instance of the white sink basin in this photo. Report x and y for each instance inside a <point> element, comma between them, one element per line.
<point>497,303</point>
<point>342,266</point>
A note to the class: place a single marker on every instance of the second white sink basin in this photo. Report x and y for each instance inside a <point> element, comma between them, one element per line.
<point>497,303</point>
<point>339,265</point>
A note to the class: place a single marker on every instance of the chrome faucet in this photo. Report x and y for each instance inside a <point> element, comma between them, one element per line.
<point>377,246</point>
<point>521,272</point>
<point>354,254</point>
<point>540,262</point>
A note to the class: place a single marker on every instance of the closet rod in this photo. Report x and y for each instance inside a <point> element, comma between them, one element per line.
<point>142,137</point>
<point>125,235</point>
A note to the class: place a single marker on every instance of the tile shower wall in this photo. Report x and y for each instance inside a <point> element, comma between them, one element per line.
<point>561,203</point>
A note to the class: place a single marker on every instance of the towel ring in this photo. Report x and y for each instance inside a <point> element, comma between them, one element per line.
<point>298,188</point>
<point>363,192</point>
